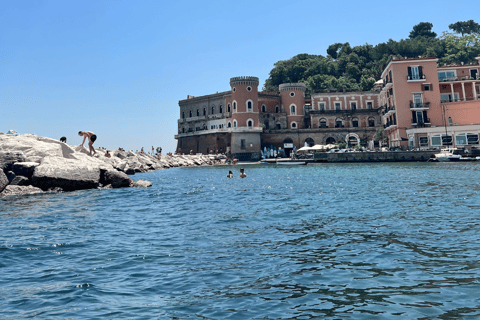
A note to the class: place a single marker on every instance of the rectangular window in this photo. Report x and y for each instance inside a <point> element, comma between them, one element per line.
<point>338,106</point>
<point>415,73</point>
<point>321,106</point>
<point>338,124</point>
<point>446,140</point>
<point>423,141</point>
<point>446,75</point>
<point>242,144</point>
<point>323,124</point>
<point>461,140</point>
<point>369,105</point>
<point>353,105</point>
<point>355,123</point>
<point>472,138</point>
<point>427,87</point>
<point>447,97</point>
<point>417,100</point>
<point>436,141</point>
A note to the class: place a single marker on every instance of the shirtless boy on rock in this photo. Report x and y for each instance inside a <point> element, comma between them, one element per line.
<point>91,139</point>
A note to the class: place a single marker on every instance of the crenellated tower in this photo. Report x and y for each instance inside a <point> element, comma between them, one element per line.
<point>293,102</point>
<point>245,101</point>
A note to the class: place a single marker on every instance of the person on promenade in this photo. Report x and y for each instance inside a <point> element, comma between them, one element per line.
<point>91,139</point>
<point>242,173</point>
<point>230,174</point>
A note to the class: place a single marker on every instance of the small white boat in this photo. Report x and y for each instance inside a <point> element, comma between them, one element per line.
<point>447,154</point>
<point>291,163</point>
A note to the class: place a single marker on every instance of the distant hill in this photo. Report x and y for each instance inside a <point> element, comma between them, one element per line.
<point>357,68</point>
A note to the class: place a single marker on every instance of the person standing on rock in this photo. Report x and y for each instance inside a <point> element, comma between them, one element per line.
<point>91,139</point>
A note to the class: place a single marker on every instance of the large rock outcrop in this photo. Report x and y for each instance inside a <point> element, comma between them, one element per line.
<point>49,164</point>
<point>3,181</point>
<point>67,174</point>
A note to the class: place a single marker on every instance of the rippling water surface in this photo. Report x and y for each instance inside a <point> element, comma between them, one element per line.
<point>340,241</point>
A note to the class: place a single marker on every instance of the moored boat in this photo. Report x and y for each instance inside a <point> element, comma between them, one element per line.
<point>447,154</point>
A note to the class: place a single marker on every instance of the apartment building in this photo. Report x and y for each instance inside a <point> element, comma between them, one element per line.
<point>424,105</point>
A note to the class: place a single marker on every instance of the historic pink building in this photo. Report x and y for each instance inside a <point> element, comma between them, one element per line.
<point>243,121</point>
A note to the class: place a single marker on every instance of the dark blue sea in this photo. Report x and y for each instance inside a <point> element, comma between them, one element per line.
<point>334,241</point>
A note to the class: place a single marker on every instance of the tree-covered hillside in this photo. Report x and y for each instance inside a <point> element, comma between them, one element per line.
<point>357,68</point>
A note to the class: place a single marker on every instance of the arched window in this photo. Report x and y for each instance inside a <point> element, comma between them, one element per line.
<point>249,106</point>
<point>250,123</point>
<point>204,111</point>
<point>228,108</point>
<point>293,110</point>
<point>220,109</point>
<point>293,125</point>
<point>235,106</point>
<point>339,123</point>
<point>277,109</point>
<point>264,108</point>
<point>234,123</point>
<point>183,115</point>
<point>198,113</point>
<point>323,123</point>
<point>229,125</point>
<point>183,130</point>
<point>213,110</point>
<point>330,140</point>
<point>355,122</point>
<point>309,142</point>
<point>371,122</point>
<point>190,113</point>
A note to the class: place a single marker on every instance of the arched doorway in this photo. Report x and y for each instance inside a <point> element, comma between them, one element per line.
<point>309,142</point>
<point>330,140</point>
<point>288,146</point>
<point>352,139</point>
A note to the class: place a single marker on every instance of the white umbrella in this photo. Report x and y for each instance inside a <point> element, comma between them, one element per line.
<point>304,149</point>
<point>318,147</point>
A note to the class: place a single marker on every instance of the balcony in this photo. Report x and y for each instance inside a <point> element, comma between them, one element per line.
<point>416,77</point>
<point>419,105</point>
<point>421,124</point>
<point>455,78</point>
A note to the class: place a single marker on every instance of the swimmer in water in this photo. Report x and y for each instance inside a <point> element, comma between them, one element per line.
<point>230,174</point>
<point>242,173</point>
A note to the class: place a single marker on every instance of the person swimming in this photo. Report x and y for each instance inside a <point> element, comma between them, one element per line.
<point>242,173</point>
<point>230,174</point>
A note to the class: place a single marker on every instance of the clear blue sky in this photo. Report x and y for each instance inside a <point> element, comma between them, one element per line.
<point>118,68</point>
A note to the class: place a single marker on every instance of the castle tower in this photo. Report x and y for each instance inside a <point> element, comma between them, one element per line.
<point>293,102</point>
<point>246,130</point>
<point>245,101</point>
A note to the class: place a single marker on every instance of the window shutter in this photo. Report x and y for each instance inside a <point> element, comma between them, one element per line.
<point>420,72</point>
<point>425,116</point>
<point>410,72</point>
<point>414,117</point>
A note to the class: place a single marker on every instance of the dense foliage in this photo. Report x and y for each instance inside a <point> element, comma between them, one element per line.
<point>357,68</point>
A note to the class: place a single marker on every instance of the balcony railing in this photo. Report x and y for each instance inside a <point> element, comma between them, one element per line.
<point>447,79</point>
<point>416,77</point>
<point>421,124</point>
<point>419,105</point>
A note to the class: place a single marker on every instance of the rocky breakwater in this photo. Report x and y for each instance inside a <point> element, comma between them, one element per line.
<point>33,164</point>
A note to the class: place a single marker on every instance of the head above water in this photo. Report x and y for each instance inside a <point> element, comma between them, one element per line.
<point>241,169</point>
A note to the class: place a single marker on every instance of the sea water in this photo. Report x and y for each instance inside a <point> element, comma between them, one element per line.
<point>339,241</point>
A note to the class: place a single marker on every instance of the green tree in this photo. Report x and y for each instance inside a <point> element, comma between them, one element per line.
<point>423,29</point>
<point>460,49</point>
<point>465,27</point>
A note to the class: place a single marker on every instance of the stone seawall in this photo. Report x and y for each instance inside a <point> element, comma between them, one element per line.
<point>395,156</point>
